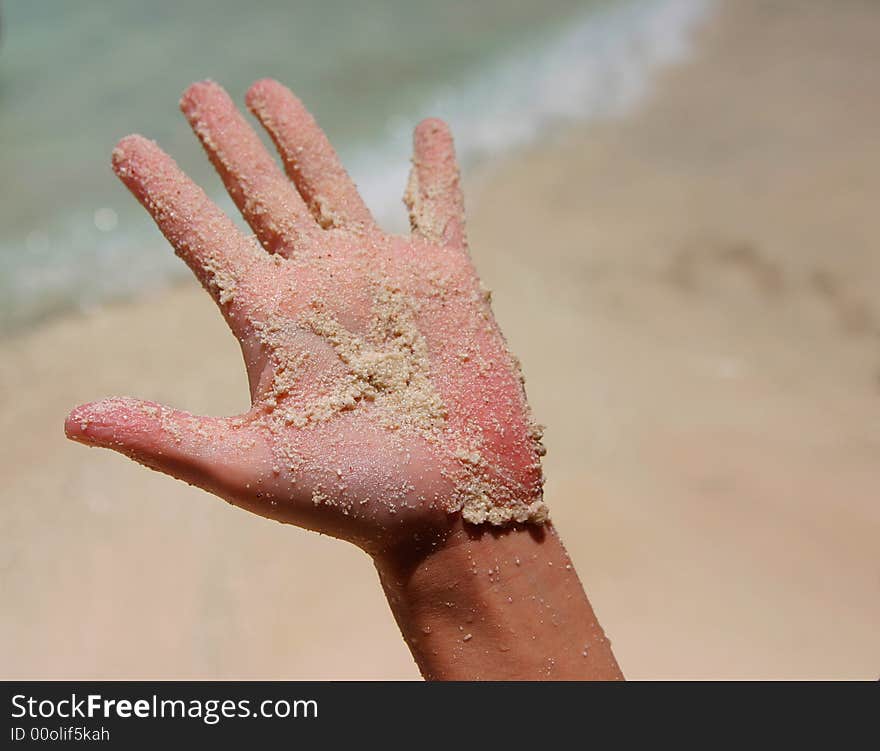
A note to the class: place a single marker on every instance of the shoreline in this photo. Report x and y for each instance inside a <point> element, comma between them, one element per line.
<point>561,74</point>
<point>692,292</point>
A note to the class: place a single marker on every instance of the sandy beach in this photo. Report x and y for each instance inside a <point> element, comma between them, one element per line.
<point>693,293</point>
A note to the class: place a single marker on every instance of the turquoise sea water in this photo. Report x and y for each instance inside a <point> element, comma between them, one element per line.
<point>76,76</point>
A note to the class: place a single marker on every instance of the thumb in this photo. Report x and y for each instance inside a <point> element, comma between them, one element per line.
<point>210,452</point>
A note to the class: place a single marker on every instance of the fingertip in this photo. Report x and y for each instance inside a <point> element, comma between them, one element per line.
<point>76,423</point>
<point>433,126</point>
<point>129,149</point>
<point>88,424</point>
<point>102,422</point>
<point>269,97</point>
<point>260,91</point>
<point>432,140</point>
<point>199,94</point>
<point>198,87</point>
<point>131,144</point>
<point>122,151</point>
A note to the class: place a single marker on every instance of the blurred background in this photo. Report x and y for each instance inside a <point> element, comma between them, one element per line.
<point>77,76</point>
<point>675,204</point>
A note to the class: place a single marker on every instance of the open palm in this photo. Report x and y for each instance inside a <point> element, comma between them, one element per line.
<point>384,399</point>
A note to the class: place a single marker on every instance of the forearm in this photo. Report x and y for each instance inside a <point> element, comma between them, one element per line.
<point>496,605</point>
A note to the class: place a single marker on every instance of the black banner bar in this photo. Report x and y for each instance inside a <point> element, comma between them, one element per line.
<point>144,714</point>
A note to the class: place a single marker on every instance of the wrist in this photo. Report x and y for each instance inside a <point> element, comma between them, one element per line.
<point>495,603</point>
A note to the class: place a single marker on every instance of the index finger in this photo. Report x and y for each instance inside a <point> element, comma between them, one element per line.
<point>201,234</point>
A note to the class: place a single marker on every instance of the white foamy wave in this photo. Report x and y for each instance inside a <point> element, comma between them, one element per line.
<point>600,66</point>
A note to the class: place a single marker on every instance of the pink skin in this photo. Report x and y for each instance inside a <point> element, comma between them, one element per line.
<point>321,249</point>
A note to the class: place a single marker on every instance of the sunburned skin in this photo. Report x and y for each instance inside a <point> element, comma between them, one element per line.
<point>384,399</point>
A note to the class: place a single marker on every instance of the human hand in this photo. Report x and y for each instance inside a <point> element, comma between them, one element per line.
<point>384,400</point>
